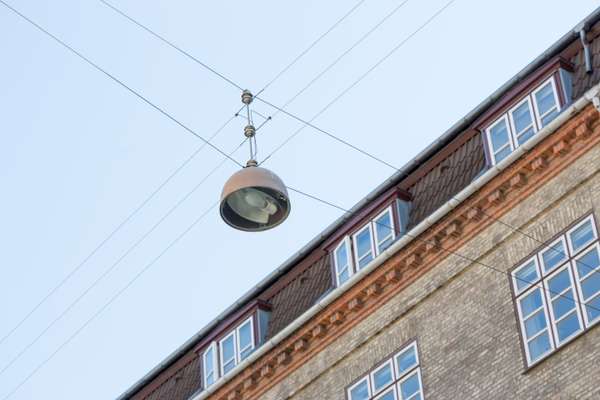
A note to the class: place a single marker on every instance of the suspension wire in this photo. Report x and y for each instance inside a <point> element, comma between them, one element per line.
<point>110,301</point>
<point>280,109</point>
<point>339,96</point>
<point>112,234</point>
<point>438,246</point>
<point>117,80</point>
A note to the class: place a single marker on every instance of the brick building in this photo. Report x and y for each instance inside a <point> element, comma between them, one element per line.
<point>472,273</point>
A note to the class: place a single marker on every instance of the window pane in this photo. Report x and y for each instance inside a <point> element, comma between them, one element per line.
<point>228,366</point>
<point>344,276</point>
<point>406,360</point>
<point>590,286</point>
<point>383,229</point>
<point>522,117</point>
<point>245,338</point>
<point>568,326</point>
<point>558,283</point>
<point>562,305</point>
<point>501,155</point>
<point>209,368</point>
<point>531,302</point>
<point>341,257</point>
<point>526,275</point>
<point>593,309</point>
<point>360,392</point>
<point>383,377</point>
<point>499,135</point>
<point>554,256</point>
<point>525,136</point>
<point>581,236</point>
<point>549,117</point>
<point>363,248</point>
<point>539,346</point>
<point>535,323</point>
<point>228,353</point>
<point>588,263</point>
<point>410,386</point>
<point>545,99</point>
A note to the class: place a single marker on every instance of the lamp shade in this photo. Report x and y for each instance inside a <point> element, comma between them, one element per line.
<point>254,199</point>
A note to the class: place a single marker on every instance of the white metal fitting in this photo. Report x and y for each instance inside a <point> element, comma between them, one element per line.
<point>249,131</point>
<point>247,97</point>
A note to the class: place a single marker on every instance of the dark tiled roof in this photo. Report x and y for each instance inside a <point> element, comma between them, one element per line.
<point>446,179</point>
<point>583,81</point>
<point>180,386</point>
<point>299,295</point>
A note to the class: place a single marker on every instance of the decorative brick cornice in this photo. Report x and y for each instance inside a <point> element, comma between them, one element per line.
<point>511,186</point>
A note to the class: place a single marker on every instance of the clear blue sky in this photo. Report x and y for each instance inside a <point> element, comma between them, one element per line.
<point>78,153</point>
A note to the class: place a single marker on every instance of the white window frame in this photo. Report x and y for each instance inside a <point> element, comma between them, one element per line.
<point>573,288</point>
<point>215,365</point>
<point>349,255</point>
<point>389,363</point>
<point>409,374</point>
<point>250,321</point>
<point>570,264</point>
<point>589,219</point>
<point>544,308</point>
<point>397,377</point>
<point>507,118</point>
<point>513,130</point>
<point>539,117</point>
<point>358,383</point>
<point>412,345</point>
<point>368,227</point>
<point>515,280</point>
<point>488,134</point>
<point>561,263</point>
<point>235,352</point>
<point>579,280</point>
<point>389,212</point>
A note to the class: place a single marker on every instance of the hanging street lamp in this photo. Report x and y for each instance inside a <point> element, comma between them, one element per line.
<point>254,199</point>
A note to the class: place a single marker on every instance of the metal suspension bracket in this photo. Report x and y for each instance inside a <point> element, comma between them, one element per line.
<point>249,130</point>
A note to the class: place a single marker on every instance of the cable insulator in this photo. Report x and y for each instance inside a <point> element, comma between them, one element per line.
<point>247,97</point>
<point>249,131</point>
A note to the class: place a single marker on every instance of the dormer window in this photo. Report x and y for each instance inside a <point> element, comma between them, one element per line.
<point>523,120</point>
<point>365,240</point>
<point>236,346</point>
<point>234,342</point>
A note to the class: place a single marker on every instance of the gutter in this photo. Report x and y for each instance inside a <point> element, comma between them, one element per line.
<point>408,168</point>
<point>590,96</point>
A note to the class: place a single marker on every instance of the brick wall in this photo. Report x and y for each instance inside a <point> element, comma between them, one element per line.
<point>463,317</point>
